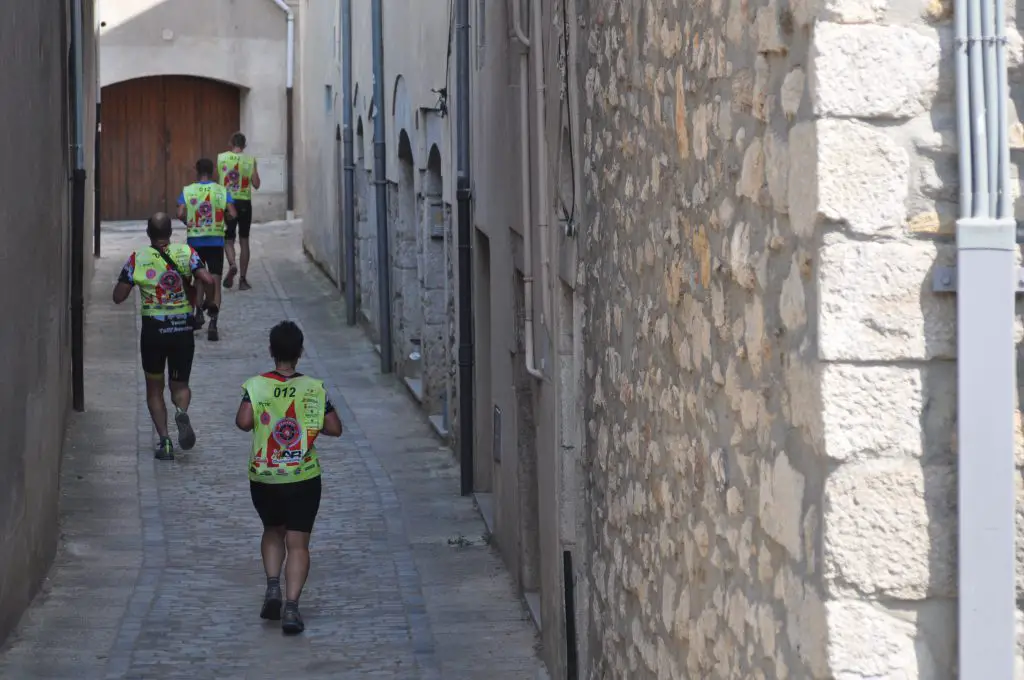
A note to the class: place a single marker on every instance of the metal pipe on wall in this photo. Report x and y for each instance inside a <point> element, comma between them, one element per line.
<point>78,211</point>
<point>986,356</point>
<point>381,182</point>
<point>525,179</point>
<point>289,106</point>
<point>463,193</point>
<point>543,198</point>
<point>97,235</point>
<point>349,206</point>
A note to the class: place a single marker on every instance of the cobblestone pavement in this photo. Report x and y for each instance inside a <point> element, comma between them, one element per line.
<point>158,573</point>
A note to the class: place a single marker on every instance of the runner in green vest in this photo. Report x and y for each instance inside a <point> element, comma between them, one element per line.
<point>239,174</point>
<point>204,207</point>
<point>164,272</point>
<point>285,411</point>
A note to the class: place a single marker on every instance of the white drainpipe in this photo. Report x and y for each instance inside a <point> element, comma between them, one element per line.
<point>524,161</point>
<point>289,82</point>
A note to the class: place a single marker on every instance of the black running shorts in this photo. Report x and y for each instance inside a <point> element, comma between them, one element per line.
<point>212,257</point>
<point>244,222</point>
<point>292,505</point>
<point>167,347</point>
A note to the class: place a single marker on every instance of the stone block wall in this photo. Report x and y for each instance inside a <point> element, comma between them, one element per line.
<point>771,433</point>
<point>705,472</point>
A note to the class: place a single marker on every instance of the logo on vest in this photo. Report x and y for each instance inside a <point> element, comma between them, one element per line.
<point>170,281</point>
<point>287,433</point>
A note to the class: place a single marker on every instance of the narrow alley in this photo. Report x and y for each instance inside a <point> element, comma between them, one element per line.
<point>158,572</point>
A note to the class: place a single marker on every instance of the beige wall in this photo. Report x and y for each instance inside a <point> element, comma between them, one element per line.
<point>240,42</point>
<point>35,351</point>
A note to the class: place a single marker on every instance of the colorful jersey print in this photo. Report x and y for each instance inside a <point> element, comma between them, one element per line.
<point>288,414</point>
<point>161,285</point>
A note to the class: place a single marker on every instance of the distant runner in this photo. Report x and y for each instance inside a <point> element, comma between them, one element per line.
<point>285,411</point>
<point>238,172</point>
<point>164,273</point>
<point>204,206</point>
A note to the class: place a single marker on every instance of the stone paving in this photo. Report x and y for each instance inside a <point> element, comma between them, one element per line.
<point>158,573</point>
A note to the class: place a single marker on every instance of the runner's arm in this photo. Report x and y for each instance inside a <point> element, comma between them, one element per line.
<point>124,285</point>
<point>181,208</point>
<point>332,423</point>
<point>244,420</point>
<point>255,179</point>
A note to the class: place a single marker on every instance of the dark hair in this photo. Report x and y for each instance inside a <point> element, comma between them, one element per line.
<point>159,227</point>
<point>238,139</point>
<point>204,166</point>
<point>286,342</point>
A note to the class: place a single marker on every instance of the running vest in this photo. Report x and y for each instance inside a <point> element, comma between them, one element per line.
<point>205,205</point>
<point>234,171</point>
<point>162,286</point>
<point>287,417</point>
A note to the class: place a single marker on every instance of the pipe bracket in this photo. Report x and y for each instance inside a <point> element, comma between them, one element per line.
<point>944,280</point>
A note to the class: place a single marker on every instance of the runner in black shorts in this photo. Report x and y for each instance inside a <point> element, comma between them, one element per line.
<point>239,172</point>
<point>286,412</point>
<point>164,273</point>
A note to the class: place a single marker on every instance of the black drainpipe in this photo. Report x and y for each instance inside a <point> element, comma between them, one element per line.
<point>78,213</point>
<point>290,142</point>
<point>381,181</point>
<point>96,232</point>
<point>349,208</point>
<point>463,194</point>
<point>571,662</point>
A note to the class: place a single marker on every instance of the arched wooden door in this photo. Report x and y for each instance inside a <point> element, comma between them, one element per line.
<point>154,130</point>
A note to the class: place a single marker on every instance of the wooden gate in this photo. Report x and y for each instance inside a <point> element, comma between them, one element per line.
<point>154,131</point>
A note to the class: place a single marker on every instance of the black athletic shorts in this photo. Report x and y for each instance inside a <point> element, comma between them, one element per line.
<point>170,346</point>
<point>293,505</point>
<point>244,222</point>
<point>213,257</point>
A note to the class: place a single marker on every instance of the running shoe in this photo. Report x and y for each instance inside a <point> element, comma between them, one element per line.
<point>165,449</point>
<point>291,620</point>
<point>272,604</point>
<point>243,284</point>
<point>200,320</point>
<point>229,280</point>
<point>213,335</point>
<point>186,435</point>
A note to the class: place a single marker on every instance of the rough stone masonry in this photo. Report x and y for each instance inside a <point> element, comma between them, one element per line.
<point>771,431</point>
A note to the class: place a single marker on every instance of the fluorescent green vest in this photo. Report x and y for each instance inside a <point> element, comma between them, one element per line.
<point>205,206</point>
<point>234,171</point>
<point>162,286</point>
<point>287,415</point>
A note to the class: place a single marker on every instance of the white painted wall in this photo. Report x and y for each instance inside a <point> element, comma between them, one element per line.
<point>241,42</point>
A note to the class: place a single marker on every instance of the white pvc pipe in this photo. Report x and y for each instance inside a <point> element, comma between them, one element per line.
<point>524,166</point>
<point>543,201</point>
<point>290,76</point>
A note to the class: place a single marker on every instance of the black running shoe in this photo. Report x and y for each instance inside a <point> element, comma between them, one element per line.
<point>213,335</point>
<point>291,620</point>
<point>165,449</point>
<point>272,604</point>
<point>186,435</point>
<point>199,320</point>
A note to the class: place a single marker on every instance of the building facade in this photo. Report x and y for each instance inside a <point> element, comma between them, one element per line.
<point>178,79</point>
<point>729,413</point>
<point>38,274</point>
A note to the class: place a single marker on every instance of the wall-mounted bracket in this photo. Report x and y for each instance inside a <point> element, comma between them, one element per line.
<point>944,280</point>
